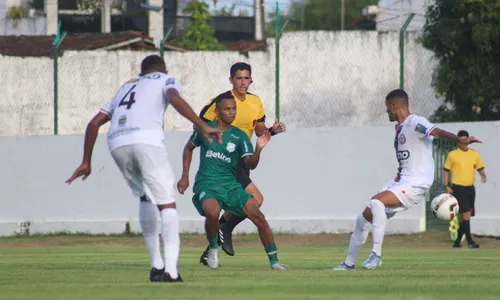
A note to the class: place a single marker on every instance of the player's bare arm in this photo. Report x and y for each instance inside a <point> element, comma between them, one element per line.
<point>252,161</point>
<point>187,156</point>
<point>90,137</point>
<point>446,135</point>
<point>278,127</point>
<point>187,111</point>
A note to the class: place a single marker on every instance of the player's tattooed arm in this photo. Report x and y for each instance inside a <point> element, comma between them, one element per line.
<point>446,135</point>
<point>90,137</point>
<point>187,156</point>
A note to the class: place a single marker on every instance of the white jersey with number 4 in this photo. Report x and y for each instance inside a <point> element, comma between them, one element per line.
<point>137,111</point>
<point>413,146</point>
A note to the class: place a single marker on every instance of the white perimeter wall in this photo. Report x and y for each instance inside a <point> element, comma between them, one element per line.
<point>313,180</point>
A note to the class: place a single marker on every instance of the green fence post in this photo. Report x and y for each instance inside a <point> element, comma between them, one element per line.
<point>278,34</point>
<point>402,51</point>
<point>56,43</point>
<point>162,45</point>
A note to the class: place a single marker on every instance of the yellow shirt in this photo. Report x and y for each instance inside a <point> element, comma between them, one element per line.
<point>463,166</point>
<point>248,113</point>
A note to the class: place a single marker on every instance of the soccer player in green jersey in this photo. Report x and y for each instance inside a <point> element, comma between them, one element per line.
<point>215,186</point>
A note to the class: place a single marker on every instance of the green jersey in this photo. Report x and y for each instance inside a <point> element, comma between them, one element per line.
<point>218,162</point>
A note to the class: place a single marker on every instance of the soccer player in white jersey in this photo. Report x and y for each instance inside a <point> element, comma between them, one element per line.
<point>413,145</point>
<point>136,142</point>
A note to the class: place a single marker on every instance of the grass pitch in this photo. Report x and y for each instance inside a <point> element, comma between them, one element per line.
<point>422,266</point>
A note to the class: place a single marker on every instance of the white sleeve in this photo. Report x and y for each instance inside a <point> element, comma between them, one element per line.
<point>423,126</point>
<point>109,108</point>
<point>172,83</point>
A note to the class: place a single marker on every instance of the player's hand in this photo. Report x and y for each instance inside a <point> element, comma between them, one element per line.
<point>278,127</point>
<point>263,140</point>
<point>83,170</point>
<point>449,190</point>
<point>483,179</point>
<point>472,140</point>
<point>183,184</point>
<point>209,132</point>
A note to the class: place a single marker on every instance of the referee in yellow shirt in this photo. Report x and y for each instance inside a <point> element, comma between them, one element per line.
<point>462,163</point>
<point>250,117</point>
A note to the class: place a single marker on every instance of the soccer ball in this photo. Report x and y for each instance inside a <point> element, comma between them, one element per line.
<point>444,207</point>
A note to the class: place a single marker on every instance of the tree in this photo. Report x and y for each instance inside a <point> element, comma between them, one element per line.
<point>200,35</point>
<point>465,37</point>
<point>321,14</point>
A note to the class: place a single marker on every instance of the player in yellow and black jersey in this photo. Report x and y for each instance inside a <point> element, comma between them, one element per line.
<point>250,117</point>
<point>463,163</point>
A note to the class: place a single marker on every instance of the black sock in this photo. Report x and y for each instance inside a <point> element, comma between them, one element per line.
<point>460,235</point>
<point>466,229</point>
<point>222,220</point>
<point>233,222</point>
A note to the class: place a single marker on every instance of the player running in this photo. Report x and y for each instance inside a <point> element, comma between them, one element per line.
<point>413,145</point>
<point>215,186</point>
<point>136,142</point>
<point>250,118</point>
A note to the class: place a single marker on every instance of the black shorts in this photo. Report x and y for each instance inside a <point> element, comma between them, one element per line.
<point>243,175</point>
<point>466,196</point>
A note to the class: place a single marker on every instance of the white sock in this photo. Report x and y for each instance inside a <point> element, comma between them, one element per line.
<point>171,240</point>
<point>358,238</point>
<point>148,217</point>
<point>379,222</point>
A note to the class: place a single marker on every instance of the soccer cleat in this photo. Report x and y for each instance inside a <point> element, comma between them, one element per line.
<point>279,267</point>
<point>372,262</point>
<point>167,278</point>
<point>226,240</point>
<point>344,267</point>
<point>204,257</point>
<point>473,245</point>
<point>156,275</point>
<point>213,258</point>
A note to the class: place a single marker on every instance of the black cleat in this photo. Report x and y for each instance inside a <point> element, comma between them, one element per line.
<point>156,275</point>
<point>226,240</point>
<point>204,257</point>
<point>473,245</point>
<point>455,245</point>
<point>167,278</point>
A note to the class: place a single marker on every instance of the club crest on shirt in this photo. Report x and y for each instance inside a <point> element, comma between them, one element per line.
<point>122,120</point>
<point>420,128</point>
<point>402,139</point>
<point>230,147</point>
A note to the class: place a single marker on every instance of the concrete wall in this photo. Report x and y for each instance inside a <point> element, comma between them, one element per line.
<point>327,79</point>
<point>313,180</point>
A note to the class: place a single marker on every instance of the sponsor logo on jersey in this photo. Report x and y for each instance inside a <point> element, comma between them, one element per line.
<point>420,128</point>
<point>235,136</point>
<point>403,155</point>
<point>122,120</point>
<point>230,147</point>
<point>218,155</point>
<point>246,146</point>
<point>170,81</point>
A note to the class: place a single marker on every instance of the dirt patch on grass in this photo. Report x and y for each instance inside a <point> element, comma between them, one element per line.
<point>425,239</point>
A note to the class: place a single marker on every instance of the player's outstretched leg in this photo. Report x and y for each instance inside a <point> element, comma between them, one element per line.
<point>252,211</point>
<point>358,239</point>
<point>211,209</point>
<point>171,241</point>
<point>148,217</point>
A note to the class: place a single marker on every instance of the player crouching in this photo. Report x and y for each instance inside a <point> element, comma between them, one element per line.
<point>215,185</point>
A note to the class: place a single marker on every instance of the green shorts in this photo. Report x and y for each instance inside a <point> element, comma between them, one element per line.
<point>232,198</point>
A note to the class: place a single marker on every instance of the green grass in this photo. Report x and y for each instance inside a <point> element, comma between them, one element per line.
<point>116,267</point>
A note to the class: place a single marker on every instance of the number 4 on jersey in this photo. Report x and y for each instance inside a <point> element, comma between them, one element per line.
<point>130,100</point>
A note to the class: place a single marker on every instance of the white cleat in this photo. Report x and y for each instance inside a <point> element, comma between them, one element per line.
<point>372,262</point>
<point>213,258</point>
<point>344,267</point>
<point>279,267</point>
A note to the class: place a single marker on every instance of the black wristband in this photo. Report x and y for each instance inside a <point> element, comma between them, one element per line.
<point>271,131</point>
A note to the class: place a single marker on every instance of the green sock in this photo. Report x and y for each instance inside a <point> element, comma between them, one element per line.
<point>272,253</point>
<point>213,242</point>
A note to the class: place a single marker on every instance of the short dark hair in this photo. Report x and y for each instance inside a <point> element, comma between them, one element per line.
<point>463,133</point>
<point>152,63</point>
<point>240,66</point>
<point>397,94</point>
<point>220,97</point>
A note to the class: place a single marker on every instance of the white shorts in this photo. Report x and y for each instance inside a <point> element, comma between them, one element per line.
<point>408,196</point>
<point>147,171</point>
